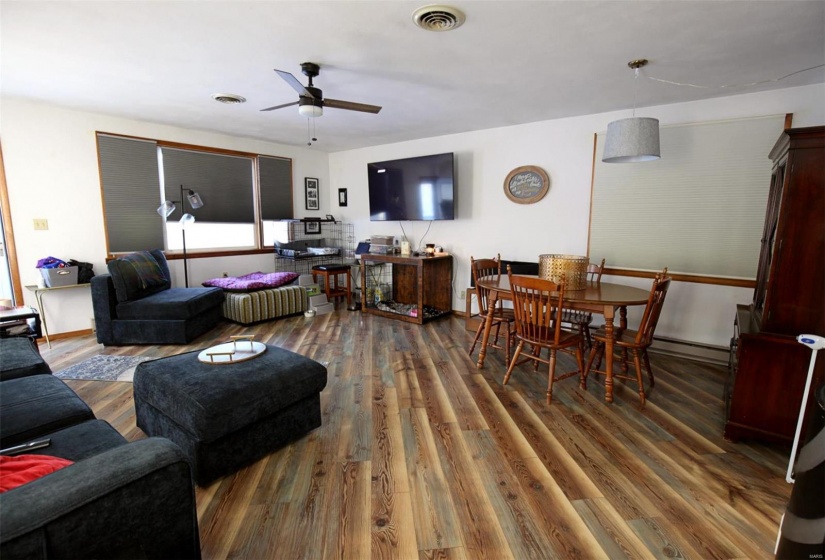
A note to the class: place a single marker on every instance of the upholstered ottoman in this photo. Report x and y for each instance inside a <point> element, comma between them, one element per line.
<point>262,305</point>
<point>227,416</point>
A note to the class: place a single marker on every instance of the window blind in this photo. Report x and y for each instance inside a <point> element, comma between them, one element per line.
<point>131,189</point>
<point>224,182</point>
<point>698,210</point>
<point>275,185</point>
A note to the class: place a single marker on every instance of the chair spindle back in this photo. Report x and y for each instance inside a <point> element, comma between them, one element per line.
<point>536,303</point>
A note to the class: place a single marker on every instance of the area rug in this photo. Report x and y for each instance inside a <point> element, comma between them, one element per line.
<point>104,368</point>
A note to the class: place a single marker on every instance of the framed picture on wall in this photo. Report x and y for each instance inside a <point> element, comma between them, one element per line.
<point>312,226</point>
<point>311,189</point>
<point>342,197</point>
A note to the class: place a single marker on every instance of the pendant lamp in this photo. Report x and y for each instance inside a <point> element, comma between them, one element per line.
<point>634,139</point>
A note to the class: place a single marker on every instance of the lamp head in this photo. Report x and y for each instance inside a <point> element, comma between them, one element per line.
<point>194,199</point>
<point>166,208</point>
<point>186,220</point>
<point>632,140</point>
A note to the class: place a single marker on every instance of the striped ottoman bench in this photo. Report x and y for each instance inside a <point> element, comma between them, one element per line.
<point>262,305</point>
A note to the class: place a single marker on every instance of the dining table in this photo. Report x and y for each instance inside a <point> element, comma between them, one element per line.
<point>603,298</point>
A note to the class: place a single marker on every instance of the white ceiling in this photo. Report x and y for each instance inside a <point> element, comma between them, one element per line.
<point>512,62</point>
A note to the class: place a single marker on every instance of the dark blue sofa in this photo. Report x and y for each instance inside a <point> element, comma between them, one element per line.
<point>130,310</point>
<point>118,499</point>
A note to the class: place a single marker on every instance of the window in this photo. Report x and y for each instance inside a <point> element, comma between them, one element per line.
<point>699,210</point>
<point>225,184</point>
<point>131,187</point>
<point>243,194</point>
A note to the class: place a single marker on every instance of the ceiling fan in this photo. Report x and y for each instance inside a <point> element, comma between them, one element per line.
<point>311,101</point>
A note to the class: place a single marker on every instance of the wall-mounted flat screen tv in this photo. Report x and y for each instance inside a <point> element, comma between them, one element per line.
<point>418,188</point>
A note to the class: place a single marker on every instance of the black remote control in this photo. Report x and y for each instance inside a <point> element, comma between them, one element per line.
<point>31,446</point>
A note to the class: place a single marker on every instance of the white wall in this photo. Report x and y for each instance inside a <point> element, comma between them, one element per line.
<point>51,168</point>
<point>488,223</point>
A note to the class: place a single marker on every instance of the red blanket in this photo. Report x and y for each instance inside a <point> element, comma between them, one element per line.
<point>16,471</point>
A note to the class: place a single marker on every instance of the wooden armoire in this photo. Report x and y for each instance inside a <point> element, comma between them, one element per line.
<point>768,366</point>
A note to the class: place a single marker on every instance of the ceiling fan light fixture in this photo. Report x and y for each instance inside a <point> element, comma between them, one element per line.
<point>309,110</point>
<point>228,98</point>
<point>438,17</point>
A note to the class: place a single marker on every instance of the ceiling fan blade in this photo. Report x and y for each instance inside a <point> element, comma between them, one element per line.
<point>280,106</point>
<point>350,106</point>
<point>293,81</point>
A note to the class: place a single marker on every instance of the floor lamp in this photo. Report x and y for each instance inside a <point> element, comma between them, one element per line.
<point>186,220</point>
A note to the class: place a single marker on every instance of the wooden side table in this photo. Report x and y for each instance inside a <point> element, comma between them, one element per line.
<point>332,287</point>
<point>38,294</point>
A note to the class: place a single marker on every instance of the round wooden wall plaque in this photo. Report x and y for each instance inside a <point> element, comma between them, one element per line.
<point>526,184</point>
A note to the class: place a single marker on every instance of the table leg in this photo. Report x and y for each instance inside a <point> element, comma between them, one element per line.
<point>488,326</point>
<point>608,351</point>
<point>623,327</point>
<point>38,295</point>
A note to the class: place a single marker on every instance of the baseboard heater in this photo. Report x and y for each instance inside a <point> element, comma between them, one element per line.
<point>692,350</point>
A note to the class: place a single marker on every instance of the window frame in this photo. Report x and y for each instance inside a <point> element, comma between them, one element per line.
<point>256,199</point>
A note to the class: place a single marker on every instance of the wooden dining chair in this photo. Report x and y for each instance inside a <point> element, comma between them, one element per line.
<point>536,303</point>
<point>635,341</point>
<point>501,316</point>
<point>582,319</point>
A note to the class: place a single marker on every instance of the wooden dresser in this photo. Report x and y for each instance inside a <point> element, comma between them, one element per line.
<point>768,366</point>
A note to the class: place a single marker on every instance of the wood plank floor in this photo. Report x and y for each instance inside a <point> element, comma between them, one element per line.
<point>422,455</point>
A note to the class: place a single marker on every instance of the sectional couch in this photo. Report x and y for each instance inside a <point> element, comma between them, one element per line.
<point>117,500</point>
<point>135,303</point>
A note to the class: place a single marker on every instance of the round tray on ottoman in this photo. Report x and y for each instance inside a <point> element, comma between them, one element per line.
<point>227,417</point>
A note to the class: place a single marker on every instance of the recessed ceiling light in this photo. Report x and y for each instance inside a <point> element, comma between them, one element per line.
<point>228,98</point>
<point>437,17</point>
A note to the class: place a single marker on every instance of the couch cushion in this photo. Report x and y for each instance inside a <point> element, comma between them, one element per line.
<point>20,358</point>
<point>210,401</point>
<point>37,405</point>
<point>139,275</point>
<point>171,304</point>
<point>80,441</point>
<point>253,281</point>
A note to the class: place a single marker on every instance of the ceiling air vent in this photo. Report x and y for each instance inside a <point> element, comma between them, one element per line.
<point>437,17</point>
<point>228,98</point>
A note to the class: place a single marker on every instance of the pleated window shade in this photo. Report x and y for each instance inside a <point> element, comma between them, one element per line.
<point>225,183</point>
<point>131,193</point>
<point>700,209</point>
<point>131,171</point>
<point>276,187</point>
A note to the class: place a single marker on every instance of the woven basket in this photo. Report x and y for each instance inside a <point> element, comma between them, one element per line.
<point>570,269</point>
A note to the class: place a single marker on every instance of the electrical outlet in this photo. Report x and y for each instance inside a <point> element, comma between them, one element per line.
<point>92,319</point>
<point>41,224</point>
<point>463,294</point>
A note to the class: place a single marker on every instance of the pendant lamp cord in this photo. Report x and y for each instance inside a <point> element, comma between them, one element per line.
<point>635,88</point>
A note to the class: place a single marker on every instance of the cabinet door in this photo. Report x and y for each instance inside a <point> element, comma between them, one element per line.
<point>795,297</point>
<point>767,392</point>
<point>768,238</point>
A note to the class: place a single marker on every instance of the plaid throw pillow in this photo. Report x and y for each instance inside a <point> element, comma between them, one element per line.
<point>147,269</point>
